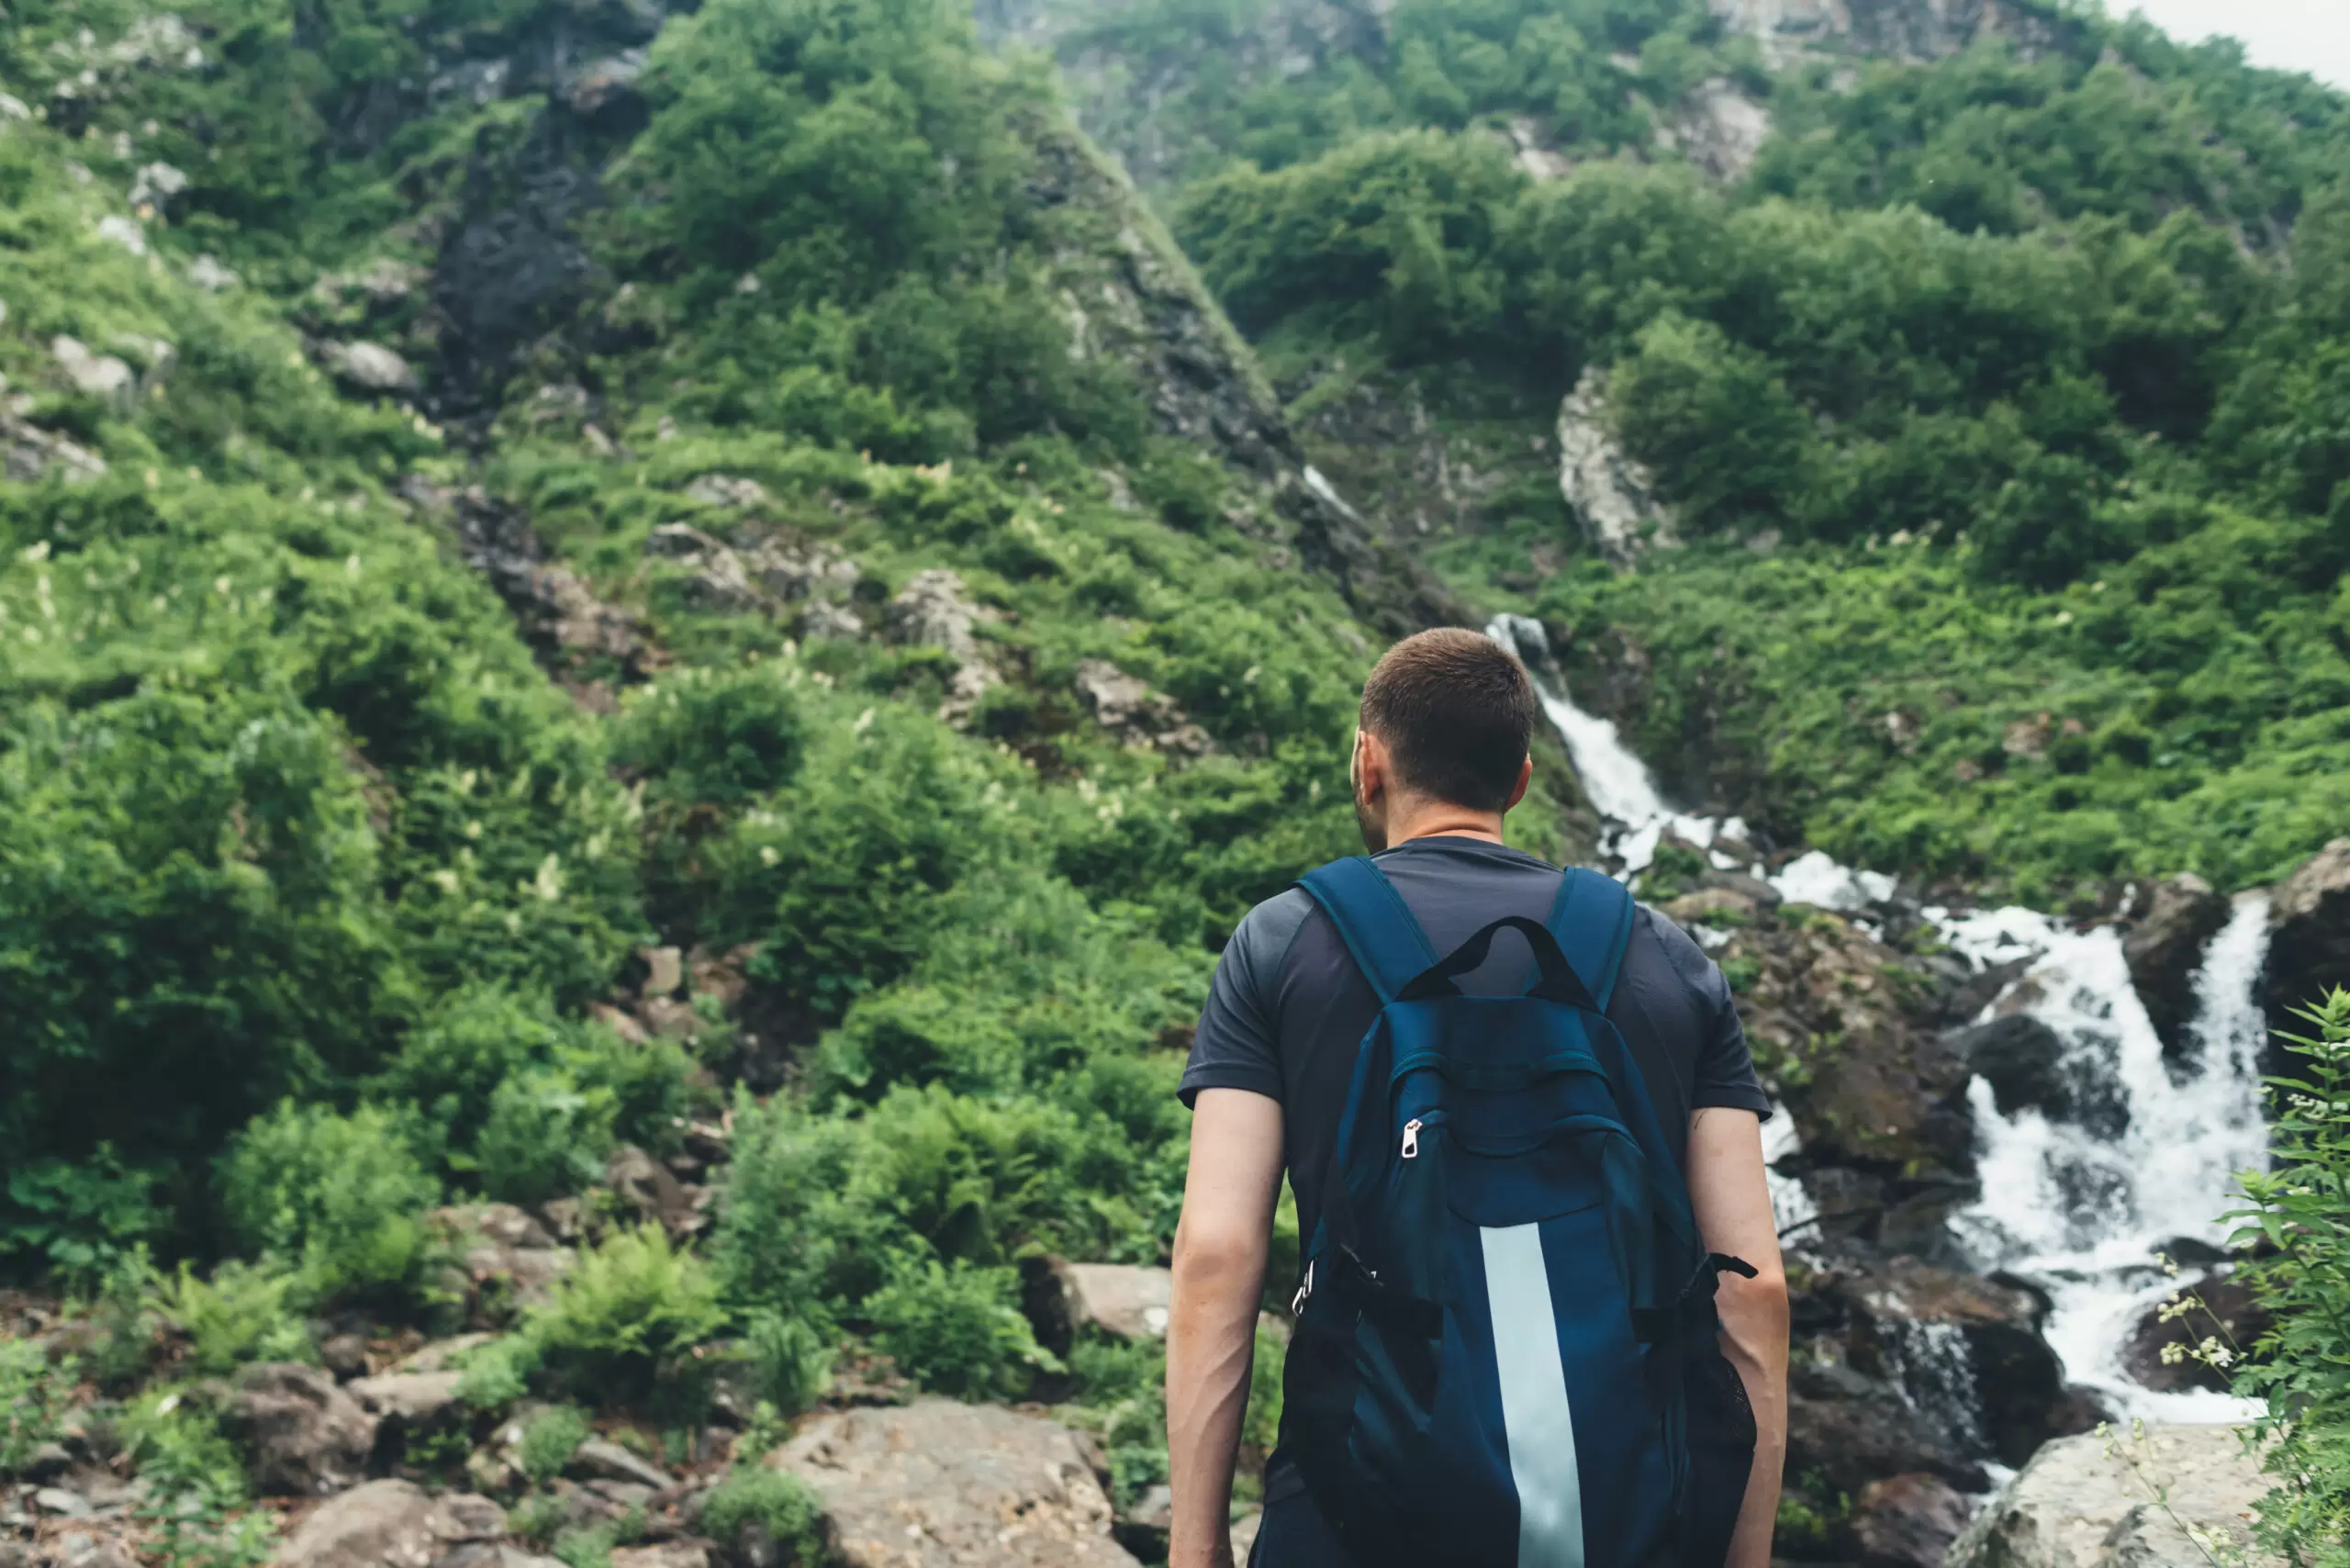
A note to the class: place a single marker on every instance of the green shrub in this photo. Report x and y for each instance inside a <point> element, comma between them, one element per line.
<point>790,1362</point>
<point>545,1137</point>
<point>622,1324</point>
<point>756,1506</point>
<point>246,1311</point>
<point>958,1330</point>
<point>34,1393</point>
<point>77,1218</point>
<point>549,1439</point>
<point>2300,1208</point>
<point>341,1197</point>
<point>195,1507</point>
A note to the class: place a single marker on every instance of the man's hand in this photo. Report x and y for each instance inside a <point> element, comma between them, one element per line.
<point>1732,1198</point>
<point>1220,1249</point>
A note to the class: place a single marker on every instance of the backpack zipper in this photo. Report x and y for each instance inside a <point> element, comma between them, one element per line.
<point>1411,1138</point>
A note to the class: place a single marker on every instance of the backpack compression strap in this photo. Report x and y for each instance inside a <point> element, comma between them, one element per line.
<point>1593,921</point>
<point>1387,943</point>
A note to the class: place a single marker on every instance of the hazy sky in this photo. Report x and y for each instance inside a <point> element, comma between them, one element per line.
<point>2285,35</point>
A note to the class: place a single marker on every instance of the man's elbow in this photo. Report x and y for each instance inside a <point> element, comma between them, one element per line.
<point>1205,1255</point>
<point>1760,1302</point>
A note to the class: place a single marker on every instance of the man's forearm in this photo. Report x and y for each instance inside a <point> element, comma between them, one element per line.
<point>1755,1337</point>
<point>1210,1342</point>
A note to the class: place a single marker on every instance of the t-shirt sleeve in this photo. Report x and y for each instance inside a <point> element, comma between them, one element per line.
<point>1238,1042</point>
<point>1725,1075</point>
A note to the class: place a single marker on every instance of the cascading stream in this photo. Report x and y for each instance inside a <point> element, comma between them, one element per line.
<point>2082,1211</point>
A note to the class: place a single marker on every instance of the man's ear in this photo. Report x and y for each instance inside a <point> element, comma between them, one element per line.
<point>1370,765</point>
<point>1525,777</point>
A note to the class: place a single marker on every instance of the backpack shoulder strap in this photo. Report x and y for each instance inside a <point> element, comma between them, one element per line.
<point>1592,919</point>
<point>1387,944</point>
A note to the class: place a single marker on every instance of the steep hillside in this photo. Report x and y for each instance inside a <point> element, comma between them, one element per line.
<point>2049,303</point>
<point>565,564</point>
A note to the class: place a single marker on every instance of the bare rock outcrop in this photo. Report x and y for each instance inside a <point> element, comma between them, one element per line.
<point>2119,1500</point>
<point>1612,496</point>
<point>304,1436</point>
<point>1124,1301</point>
<point>389,1524</point>
<point>1126,706</point>
<point>940,1484</point>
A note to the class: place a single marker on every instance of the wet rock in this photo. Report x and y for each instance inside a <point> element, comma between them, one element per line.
<point>1875,1086</point>
<point>599,1459</point>
<point>2230,1314</point>
<point>2166,947</point>
<point>1906,1522</point>
<point>62,1503</point>
<point>2021,1058</point>
<point>92,375</point>
<point>940,1484</point>
<point>1613,497</point>
<point>1963,1348</point>
<point>302,1434</point>
<point>370,367</point>
<point>1126,706</point>
<point>1847,1437</point>
<point>2090,1502</point>
<point>2308,949</point>
<point>388,1524</point>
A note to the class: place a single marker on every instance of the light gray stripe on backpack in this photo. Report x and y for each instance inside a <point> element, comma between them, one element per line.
<point>1535,1415</point>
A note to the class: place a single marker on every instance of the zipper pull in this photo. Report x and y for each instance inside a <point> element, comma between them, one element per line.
<point>1412,1138</point>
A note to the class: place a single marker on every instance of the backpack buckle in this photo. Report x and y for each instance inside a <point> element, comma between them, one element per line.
<point>1304,1290</point>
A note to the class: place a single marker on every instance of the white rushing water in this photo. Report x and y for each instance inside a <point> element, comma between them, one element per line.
<point>2082,1207</point>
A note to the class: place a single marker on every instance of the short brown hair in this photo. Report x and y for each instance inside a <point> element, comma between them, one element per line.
<point>1455,711</point>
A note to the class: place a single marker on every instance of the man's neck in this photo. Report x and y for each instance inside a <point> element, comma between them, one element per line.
<point>1437,819</point>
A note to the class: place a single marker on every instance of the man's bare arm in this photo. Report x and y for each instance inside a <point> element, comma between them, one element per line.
<point>1732,1198</point>
<point>1220,1249</point>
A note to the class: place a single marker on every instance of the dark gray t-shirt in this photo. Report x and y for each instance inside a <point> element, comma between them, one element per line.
<point>1288,1007</point>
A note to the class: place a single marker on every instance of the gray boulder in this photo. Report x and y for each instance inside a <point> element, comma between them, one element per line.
<point>1122,1300</point>
<point>370,367</point>
<point>93,375</point>
<point>389,1524</point>
<point>938,1485</point>
<point>303,1434</point>
<point>405,1403</point>
<point>1906,1522</point>
<point>2119,1500</point>
<point>599,1459</point>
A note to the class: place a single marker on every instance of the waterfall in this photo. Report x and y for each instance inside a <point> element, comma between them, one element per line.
<point>2081,1208</point>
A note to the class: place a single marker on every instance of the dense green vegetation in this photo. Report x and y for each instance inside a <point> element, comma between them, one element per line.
<point>313,868</point>
<point>2026,366</point>
<point>421,782</point>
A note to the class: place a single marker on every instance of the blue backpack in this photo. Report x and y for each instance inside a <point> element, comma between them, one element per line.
<point>1505,1353</point>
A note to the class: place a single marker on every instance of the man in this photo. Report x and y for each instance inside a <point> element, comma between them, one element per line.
<point>1441,756</point>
